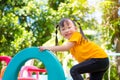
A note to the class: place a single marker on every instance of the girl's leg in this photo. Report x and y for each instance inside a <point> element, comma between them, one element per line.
<point>92,65</point>
<point>75,75</point>
<point>97,75</point>
<point>80,68</point>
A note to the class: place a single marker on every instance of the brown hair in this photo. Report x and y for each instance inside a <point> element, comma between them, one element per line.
<point>65,20</point>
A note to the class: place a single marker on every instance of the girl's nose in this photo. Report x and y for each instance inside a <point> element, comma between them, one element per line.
<point>66,30</point>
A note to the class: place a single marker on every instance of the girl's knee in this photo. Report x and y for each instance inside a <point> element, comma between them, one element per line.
<point>72,71</point>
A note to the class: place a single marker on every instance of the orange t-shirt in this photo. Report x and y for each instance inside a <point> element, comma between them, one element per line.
<point>84,49</point>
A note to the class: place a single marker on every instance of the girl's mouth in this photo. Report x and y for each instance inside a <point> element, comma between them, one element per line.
<point>67,35</point>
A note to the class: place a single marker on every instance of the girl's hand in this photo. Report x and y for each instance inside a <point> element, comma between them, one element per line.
<point>42,48</point>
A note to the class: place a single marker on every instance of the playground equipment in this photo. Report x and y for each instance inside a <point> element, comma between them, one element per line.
<point>6,59</point>
<point>52,65</point>
<point>29,70</point>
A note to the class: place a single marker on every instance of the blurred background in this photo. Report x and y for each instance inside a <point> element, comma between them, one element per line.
<point>27,23</point>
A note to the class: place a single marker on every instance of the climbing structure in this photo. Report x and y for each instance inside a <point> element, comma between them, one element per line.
<point>52,64</point>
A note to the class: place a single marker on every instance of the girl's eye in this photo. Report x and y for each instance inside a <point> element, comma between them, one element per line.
<point>69,27</point>
<point>62,29</point>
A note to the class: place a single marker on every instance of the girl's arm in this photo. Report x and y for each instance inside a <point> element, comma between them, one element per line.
<point>64,47</point>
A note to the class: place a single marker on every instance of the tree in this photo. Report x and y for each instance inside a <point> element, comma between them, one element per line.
<point>112,26</point>
<point>24,24</point>
<point>54,4</point>
<point>13,36</point>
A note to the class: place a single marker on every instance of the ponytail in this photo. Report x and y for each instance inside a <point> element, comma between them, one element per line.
<point>81,31</point>
<point>56,38</point>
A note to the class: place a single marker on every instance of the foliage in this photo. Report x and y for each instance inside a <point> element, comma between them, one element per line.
<point>12,35</point>
<point>54,3</point>
<point>110,23</point>
<point>24,24</point>
<point>111,72</point>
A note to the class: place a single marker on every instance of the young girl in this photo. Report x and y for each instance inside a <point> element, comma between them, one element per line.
<point>91,58</point>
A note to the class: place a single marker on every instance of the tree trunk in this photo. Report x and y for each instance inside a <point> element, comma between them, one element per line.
<point>117,34</point>
<point>118,58</point>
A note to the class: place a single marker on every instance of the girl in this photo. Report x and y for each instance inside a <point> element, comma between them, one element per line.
<point>91,58</point>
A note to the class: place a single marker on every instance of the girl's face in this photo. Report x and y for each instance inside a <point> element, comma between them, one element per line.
<point>68,29</point>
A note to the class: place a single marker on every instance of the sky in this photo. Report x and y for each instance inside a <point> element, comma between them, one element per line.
<point>97,14</point>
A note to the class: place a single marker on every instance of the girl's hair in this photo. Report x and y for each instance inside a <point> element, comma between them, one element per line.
<point>65,20</point>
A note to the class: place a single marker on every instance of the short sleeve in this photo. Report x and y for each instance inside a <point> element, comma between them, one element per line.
<point>76,37</point>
